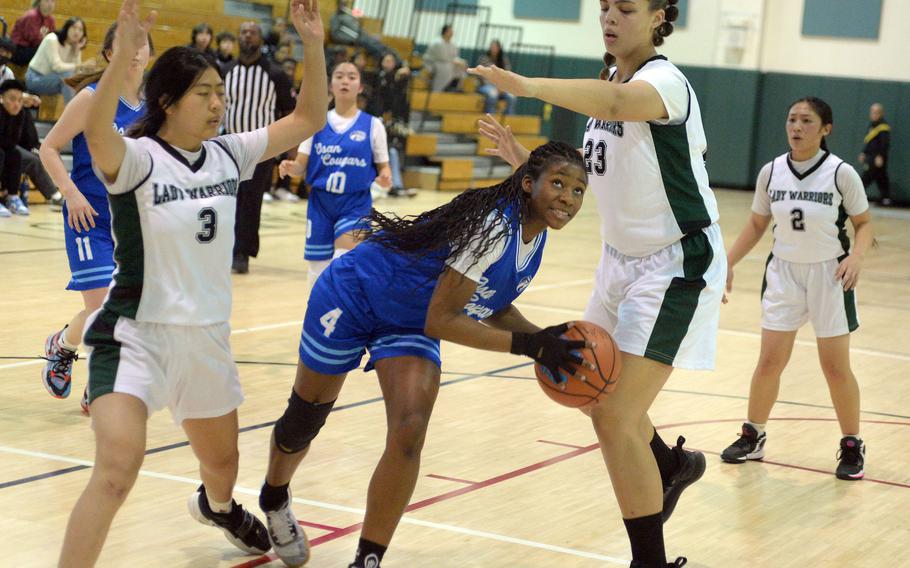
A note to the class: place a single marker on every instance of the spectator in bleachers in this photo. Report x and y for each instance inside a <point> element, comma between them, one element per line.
<point>278,35</point>
<point>390,103</point>
<point>442,61</point>
<point>345,28</point>
<point>225,52</point>
<point>201,38</point>
<point>367,78</point>
<point>58,57</point>
<point>495,56</point>
<point>30,29</point>
<point>12,121</point>
<point>7,49</point>
<point>257,93</point>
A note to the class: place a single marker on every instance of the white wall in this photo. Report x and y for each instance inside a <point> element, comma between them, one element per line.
<point>786,50</point>
<point>771,39</point>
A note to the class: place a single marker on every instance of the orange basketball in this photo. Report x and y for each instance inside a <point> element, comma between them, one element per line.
<point>580,392</point>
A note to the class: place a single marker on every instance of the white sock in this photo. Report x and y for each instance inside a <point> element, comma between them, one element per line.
<point>217,507</point>
<point>64,343</point>
<point>760,428</point>
<point>315,269</point>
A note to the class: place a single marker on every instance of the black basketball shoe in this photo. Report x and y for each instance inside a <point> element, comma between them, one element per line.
<point>852,456</point>
<point>749,446</point>
<point>241,527</point>
<point>691,468</point>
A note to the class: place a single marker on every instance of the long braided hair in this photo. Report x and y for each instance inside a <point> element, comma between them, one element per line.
<point>671,12</point>
<point>460,224</point>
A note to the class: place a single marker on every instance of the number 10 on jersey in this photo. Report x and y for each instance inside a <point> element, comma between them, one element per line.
<point>336,182</point>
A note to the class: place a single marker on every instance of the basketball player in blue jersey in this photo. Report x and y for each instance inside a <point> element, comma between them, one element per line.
<point>659,284</point>
<point>809,193</point>
<point>349,152</point>
<point>162,336</point>
<point>414,282</point>
<point>86,214</point>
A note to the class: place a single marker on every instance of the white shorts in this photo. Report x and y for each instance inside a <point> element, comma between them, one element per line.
<point>665,306</point>
<point>188,369</point>
<point>794,292</point>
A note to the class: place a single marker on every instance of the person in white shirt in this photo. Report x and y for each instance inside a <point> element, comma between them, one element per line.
<point>443,62</point>
<point>660,281</point>
<point>162,335</point>
<point>59,55</point>
<point>811,273</point>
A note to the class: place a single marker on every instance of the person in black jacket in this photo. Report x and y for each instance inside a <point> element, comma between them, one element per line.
<point>874,157</point>
<point>12,121</point>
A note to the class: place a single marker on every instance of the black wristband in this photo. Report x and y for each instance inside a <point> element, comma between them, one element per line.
<point>519,343</point>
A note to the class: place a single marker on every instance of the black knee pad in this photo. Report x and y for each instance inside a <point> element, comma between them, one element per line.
<point>300,423</point>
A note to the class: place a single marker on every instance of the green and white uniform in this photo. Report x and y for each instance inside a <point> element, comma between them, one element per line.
<point>163,333</point>
<point>661,276</point>
<point>810,202</point>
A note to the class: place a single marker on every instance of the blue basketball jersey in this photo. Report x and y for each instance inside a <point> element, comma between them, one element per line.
<point>342,162</point>
<point>399,287</point>
<point>83,175</point>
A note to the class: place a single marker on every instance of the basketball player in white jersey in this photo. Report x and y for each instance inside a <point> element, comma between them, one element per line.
<point>809,193</point>
<point>659,284</point>
<point>162,336</point>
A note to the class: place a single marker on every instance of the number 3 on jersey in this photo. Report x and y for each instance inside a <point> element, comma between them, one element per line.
<point>328,321</point>
<point>335,182</point>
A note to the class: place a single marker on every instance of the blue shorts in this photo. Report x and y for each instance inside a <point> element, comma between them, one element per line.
<point>328,216</point>
<point>340,326</point>
<point>90,253</point>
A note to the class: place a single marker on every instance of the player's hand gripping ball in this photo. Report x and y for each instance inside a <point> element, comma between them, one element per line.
<point>589,385</point>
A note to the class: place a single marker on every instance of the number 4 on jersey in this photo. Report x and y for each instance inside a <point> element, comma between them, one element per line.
<point>329,319</point>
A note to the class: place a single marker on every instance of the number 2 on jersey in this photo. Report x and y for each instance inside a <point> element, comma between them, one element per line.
<point>336,182</point>
<point>328,321</point>
<point>797,220</point>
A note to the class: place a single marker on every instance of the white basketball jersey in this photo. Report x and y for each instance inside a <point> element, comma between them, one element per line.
<point>174,229</point>
<point>649,178</point>
<point>810,208</point>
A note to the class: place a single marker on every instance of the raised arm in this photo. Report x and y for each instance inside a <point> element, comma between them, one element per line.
<point>105,144</point>
<point>636,101</point>
<point>312,102</point>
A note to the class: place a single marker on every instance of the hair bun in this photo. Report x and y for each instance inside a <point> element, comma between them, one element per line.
<point>671,13</point>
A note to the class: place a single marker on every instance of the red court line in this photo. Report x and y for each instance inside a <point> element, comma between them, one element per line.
<point>563,444</point>
<point>318,526</point>
<point>581,450</point>
<point>455,479</point>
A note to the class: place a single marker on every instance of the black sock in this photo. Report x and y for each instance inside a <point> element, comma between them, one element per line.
<point>369,554</point>
<point>646,534</point>
<point>667,460</point>
<point>271,498</point>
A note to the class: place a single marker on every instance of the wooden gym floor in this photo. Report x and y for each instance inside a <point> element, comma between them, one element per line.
<point>509,479</point>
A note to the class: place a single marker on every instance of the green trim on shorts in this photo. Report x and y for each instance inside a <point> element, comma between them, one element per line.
<point>105,357</point>
<point>764,278</point>
<point>850,307</point>
<point>680,300</point>
<point>129,252</point>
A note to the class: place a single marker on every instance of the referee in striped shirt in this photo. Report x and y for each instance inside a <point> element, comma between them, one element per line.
<point>257,93</point>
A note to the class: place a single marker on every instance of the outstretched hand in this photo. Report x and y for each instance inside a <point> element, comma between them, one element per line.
<point>507,146</point>
<point>308,22</point>
<point>132,31</point>
<point>504,81</point>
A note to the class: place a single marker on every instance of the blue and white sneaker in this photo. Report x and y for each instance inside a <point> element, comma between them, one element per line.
<point>4,212</point>
<point>57,375</point>
<point>15,205</point>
